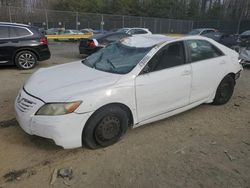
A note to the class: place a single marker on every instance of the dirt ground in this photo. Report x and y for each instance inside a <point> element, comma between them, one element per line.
<point>208,146</point>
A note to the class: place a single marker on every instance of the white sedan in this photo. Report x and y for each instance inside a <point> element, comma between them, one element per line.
<point>129,83</point>
<point>135,31</point>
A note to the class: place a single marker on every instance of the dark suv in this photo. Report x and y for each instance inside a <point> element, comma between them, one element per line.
<point>22,45</point>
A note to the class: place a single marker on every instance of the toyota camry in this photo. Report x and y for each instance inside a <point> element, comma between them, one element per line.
<point>135,81</point>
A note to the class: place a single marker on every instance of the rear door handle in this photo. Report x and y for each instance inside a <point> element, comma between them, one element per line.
<point>186,73</point>
<point>223,62</point>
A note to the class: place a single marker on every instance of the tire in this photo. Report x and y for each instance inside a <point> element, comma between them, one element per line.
<point>224,91</point>
<point>25,60</point>
<point>105,127</point>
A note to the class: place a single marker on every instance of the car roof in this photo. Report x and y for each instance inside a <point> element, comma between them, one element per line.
<point>14,24</point>
<point>135,28</point>
<point>141,41</point>
<point>207,29</point>
<point>145,41</point>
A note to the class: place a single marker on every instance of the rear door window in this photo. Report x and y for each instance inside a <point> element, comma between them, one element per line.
<point>4,32</point>
<point>202,50</point>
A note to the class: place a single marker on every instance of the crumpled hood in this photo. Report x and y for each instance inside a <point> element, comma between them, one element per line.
<point>62,82</point>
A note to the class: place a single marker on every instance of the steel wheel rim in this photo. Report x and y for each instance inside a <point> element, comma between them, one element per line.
<point>26,60</point>
<point>108,130</point>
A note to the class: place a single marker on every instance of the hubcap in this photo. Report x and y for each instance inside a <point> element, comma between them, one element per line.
<point>26,60</point>
<point>108,129</point>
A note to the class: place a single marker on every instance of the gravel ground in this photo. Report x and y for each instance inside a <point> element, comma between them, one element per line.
<point>208,146</point>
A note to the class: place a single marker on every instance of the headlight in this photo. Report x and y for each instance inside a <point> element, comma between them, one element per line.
<point>54,109</point>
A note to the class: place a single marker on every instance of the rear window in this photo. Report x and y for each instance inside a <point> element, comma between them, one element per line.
<point>4,32</point>
<point>18,32</point>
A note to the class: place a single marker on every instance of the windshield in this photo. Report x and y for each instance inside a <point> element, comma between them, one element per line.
<point>116,58</point>
<point>195,32</point>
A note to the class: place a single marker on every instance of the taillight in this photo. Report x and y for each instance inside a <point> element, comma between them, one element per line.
<point>91,44</point>
<point>44,40</point>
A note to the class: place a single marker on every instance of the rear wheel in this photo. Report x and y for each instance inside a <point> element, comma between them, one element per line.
<point>25,60</point>
<point>105,127</point>
<point>224,91</point>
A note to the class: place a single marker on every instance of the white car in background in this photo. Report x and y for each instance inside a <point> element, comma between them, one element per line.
<point>202,31</point>
<point>135,31</point>
<point>129,83</point>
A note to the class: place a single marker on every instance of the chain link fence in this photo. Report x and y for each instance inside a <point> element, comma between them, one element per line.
<point>75,20</point>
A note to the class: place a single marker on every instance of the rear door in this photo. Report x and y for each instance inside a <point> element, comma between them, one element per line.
<point>164,84</point>
<point>208,67</point>
<point>5,55</point>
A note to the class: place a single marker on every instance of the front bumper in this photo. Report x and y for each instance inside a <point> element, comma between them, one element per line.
<point>65,130</point>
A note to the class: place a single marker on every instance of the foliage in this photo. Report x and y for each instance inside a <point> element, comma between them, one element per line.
<point>183,9</point>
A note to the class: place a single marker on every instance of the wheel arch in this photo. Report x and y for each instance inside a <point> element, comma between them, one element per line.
<point>232,75</point>
<point>24,49</point>
<point>121,105</point>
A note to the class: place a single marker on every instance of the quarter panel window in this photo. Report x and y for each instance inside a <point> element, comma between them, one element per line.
<point>4,32</point>
<point>202,50</point>
<point>18,32</point>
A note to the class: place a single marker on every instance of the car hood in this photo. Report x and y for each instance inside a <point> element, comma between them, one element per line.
<point>62,82</point>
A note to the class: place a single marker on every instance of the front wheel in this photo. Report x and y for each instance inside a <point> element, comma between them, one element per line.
<point>224,91</point>
<point>105,127</point>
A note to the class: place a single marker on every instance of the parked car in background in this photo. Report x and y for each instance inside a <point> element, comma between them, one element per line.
<point>100,31</point>
<point>96,42</point>
<point>244,39</point>
<point>42,30</point>
<point>135,31</point>
<point>223,38</point>
<point>53,31</point>
<point>87,31</point>
<point>244,47</point>
<point>70,32</point>
<point>135,81</point>
<point>22,45</point>
<point>202,31</point>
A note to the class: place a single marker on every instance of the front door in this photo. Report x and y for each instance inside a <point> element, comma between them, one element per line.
<point>164,84</point>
